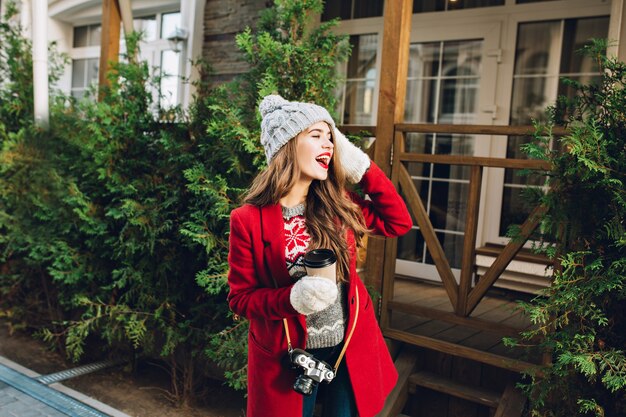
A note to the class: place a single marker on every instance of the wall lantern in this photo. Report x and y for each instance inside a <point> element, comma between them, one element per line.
<point>177,39</point>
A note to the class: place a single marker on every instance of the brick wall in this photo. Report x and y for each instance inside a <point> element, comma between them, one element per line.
<point>223,19</point>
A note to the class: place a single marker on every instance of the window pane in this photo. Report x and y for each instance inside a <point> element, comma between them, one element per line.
<point>514,210</point>
<point>92,71</point>
<point>95,35</point>
<point>367,8</point>
<point>530,98</point>
<point>169,23</point>
<point>337,8</point>
<point>448,205</point>
<point>422,6</point>
<point>169,78</point>
<point>577,33</point>
<point>424,59</point>
<point>462,58</point>
<point>359,102</point>
<point>421,99</point>
<point>411,246</point>
<point>79,73</point>
<point>362,62</point>
<point>537,43</point>
<point>452,245</point>
<point>147,26</point>
<point>359,88</point>
<point>81,36</point>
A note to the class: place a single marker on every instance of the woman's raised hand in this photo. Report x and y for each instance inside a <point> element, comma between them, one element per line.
<point>311,294</point>
<point>355,162</point>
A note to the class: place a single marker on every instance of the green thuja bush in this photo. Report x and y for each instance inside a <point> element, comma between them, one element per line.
<point>114,222</point>
<point>581,317</point>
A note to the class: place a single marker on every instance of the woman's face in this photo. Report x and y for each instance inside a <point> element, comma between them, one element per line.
<point>314,150</point>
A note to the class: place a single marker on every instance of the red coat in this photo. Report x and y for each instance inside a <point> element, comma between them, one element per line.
<point>256,236</point>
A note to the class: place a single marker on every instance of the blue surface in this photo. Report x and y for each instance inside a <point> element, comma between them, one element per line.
<point>21,396</point>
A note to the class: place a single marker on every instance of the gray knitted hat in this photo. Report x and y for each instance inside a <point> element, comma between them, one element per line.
<point>283,120</point>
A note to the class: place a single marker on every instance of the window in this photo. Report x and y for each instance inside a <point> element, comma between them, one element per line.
<point>155,49</point>
<point>530,1</point>
<point>352,9</point>
<point>84,75</point>
<point>169,78</point>
<point>422,6</point>
<point>169,23</point>
<point>87,36</point>
<point>442,87</point>
<point>357,98</point>
<point>545,52</point>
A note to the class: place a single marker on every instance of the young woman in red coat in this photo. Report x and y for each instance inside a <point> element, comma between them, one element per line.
<point>297,204</point>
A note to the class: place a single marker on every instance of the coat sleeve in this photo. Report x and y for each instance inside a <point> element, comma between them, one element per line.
<point>247,296</point>
<point>385,212</point>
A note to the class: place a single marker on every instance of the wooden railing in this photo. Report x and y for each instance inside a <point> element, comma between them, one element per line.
<point>463,297</point>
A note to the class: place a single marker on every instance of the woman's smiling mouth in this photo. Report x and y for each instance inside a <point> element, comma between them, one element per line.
<point>323,159</point>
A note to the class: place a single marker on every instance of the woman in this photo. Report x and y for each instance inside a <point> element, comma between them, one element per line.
<point>297,204</point>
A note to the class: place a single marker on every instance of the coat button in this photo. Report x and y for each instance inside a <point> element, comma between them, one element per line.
<point>352,300</point>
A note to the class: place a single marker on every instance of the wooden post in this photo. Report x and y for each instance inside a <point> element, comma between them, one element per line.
<point>394,68</point>
<point>110,41</point>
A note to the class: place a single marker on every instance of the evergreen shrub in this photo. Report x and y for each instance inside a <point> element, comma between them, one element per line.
<point>114,223</point>
<point>581,317</point>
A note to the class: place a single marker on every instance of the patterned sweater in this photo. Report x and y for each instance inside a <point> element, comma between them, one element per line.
<point>325,328</point>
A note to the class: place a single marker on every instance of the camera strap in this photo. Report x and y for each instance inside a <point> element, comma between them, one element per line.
<point>289,345</point>
<point>345,345</point>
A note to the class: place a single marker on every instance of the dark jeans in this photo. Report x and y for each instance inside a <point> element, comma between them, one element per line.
<point>337,398</point>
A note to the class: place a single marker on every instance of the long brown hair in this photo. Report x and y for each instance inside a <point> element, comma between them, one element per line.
<point>329,211</point>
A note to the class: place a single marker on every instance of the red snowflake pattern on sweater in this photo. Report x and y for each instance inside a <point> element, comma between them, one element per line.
<point>296,242</point>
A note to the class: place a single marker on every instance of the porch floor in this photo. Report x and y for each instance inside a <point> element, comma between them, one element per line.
<point>498,307</point>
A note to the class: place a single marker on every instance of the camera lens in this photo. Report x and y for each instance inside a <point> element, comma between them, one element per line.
<point>304,385</point>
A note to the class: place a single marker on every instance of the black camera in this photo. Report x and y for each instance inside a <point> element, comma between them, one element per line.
<point>314,371</point>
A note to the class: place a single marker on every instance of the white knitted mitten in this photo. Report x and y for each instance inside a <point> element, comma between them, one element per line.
<point>311,294</point>
<point>354,161</point>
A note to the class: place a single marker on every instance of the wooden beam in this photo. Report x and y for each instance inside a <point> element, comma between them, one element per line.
<point>392,94</point>
<point>504,259</point>
<point>469,239</point>
<point>463,351</point>
<point>110,40</point>
<point>475,129</point>
<point>486,130</point>
<point>432,243</point>
<point>475,160</point>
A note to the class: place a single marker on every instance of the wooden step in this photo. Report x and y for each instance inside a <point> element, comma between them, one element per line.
<point>462,351</point>
<point>447,386</point>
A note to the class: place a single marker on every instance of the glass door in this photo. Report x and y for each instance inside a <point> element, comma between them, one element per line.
<point>450,81</point>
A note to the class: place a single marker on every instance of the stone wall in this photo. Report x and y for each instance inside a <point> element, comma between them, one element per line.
<point>223,19</point>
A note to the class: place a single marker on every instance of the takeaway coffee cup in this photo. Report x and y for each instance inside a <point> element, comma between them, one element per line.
<point>321,263</point>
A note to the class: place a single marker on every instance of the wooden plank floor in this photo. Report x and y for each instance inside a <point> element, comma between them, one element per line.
<point>497,307</point>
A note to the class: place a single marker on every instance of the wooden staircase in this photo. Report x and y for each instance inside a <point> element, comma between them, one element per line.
<point>415,384</point>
